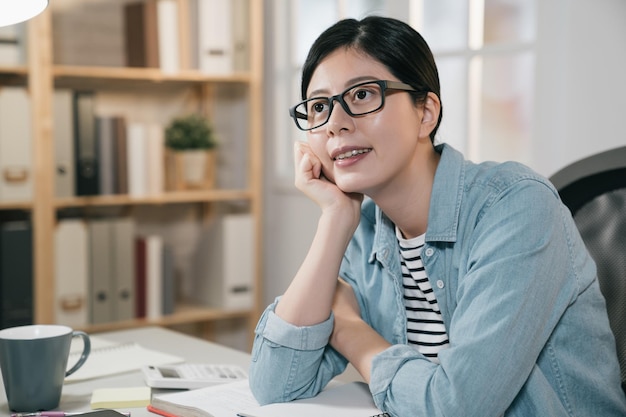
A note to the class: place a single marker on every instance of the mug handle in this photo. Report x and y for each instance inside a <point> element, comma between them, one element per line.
<point>84,355</point>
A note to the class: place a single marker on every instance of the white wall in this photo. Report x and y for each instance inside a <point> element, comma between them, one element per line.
<point>580,109</point>
<point>580,94</point>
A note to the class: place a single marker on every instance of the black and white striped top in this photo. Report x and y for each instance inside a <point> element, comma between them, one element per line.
<point>425,328</point>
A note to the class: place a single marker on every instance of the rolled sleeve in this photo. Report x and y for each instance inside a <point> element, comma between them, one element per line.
<point>286,334</point>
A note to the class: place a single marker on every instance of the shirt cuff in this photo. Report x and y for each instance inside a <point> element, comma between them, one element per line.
<point>286,334</point>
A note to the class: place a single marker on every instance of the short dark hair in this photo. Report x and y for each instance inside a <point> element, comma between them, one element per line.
<point>390,41</point>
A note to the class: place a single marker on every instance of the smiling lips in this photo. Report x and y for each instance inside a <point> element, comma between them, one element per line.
<point>351,154</point>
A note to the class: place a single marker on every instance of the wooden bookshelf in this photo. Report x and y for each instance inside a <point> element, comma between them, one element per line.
<point>40,76</point>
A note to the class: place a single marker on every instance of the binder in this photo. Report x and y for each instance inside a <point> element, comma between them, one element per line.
<point>12,45</point>
<point>223,273</point>
<point>123,261</point>
<point>140,277</point>
<point>16,175</point>
<point>215,36</point>
<point>71,259</point>
<point>85,145</point>
<point>121,157</point>
<point>16,274</point>
<point>65,178</point>
<point>241,35</point>
<point>101,271</point>
<point>154,276</point>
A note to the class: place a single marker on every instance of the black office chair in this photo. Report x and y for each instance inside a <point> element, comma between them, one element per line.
<point>594,189</point>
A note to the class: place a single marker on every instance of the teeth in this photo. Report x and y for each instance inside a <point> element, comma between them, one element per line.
<point>352,153</point>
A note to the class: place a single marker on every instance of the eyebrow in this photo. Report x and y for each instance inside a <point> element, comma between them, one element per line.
<point>350,82</point>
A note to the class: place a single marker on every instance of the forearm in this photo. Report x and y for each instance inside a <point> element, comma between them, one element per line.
<point>358,343</point>
<point>309,297</point>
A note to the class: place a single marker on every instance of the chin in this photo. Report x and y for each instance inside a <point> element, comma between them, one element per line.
<point>348,186</point>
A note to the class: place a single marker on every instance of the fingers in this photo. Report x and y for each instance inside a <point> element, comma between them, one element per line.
<point>307,164</point>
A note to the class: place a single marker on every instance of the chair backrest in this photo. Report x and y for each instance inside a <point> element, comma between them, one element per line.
<point>594,189</point>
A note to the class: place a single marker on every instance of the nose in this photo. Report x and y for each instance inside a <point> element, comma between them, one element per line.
<point>339,118</point>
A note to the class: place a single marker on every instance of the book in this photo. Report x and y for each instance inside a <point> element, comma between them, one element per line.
<point>155,159</point>
<point>140,277</point>
<point>352,399</point>
<point>141,34</point>
<point>137,158</point>
<point>168,32</point>
<point>111,358</point>
<point>105,129</point>
<point>89,33</point>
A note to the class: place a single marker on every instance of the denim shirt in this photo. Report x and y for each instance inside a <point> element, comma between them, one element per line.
<point>528,329</point>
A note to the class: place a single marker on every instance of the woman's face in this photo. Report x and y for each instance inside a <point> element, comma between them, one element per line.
<point>365,154</point>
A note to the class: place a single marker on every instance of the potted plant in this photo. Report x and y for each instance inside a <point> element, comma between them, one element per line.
<point>191,145</point>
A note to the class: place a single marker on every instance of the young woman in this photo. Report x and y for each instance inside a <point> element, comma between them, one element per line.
<point>454,288</point>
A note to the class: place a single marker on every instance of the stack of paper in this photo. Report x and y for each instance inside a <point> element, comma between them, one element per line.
<point>110,358</point>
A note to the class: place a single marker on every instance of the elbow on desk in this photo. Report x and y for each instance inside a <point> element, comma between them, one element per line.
<point>264,390</point>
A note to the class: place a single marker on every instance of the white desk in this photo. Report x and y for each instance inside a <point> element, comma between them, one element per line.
<point>76,396</point>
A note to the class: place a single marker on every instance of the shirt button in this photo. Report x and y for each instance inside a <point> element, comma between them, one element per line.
<point>440,284</point>
<point>429,252</point>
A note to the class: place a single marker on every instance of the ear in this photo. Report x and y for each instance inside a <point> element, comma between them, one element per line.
<point>430,113</point>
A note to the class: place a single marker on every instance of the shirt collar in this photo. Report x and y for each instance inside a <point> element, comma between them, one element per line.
<point>446,196</point>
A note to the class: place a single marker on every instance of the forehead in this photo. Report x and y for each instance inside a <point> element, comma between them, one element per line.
<point>343,68</point>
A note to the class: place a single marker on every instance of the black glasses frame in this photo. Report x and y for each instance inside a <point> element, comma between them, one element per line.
<point>384,86</point>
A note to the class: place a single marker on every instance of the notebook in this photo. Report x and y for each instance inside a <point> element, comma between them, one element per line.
<point>110,358</point>
<point>235,399</point>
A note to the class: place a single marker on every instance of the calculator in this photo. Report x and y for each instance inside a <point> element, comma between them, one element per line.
<point>191,375</point>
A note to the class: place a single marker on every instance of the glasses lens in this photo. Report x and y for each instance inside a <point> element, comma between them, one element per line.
<point>364,98</point>
<point>312,113</point>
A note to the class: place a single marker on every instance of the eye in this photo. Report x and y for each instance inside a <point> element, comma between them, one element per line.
<point>318,107</point>
<point>362,93</point>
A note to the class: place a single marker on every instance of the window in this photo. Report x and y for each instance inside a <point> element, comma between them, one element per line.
<point>485,54</point>
<point>484,50</point>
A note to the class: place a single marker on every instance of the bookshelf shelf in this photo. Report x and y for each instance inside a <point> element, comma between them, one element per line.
<point>75,74</point>
<point>165,198</point>
<point>136,93</point>
<point>187,314</point>
<point>16,205</point>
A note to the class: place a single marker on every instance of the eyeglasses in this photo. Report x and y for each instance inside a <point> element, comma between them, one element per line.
<point>358,100</point>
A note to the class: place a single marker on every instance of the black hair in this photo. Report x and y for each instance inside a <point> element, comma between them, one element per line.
<point>390,41</point>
